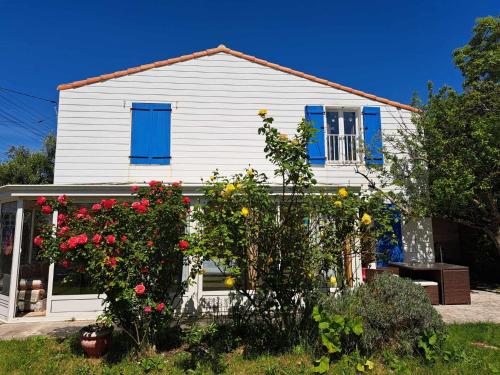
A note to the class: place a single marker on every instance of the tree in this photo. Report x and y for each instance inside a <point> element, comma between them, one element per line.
<point>26,167</point>
<point>448,164</point>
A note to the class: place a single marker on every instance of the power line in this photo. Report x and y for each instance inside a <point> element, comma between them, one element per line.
<point>29,95</point>
<point>23,109</point>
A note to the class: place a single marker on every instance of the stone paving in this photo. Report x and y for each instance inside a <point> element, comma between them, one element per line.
<point>22,330</point>
<point>484,307</point>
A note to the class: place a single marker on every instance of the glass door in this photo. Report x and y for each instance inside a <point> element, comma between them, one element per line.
<point>31,298</point>
<point>7,233</point>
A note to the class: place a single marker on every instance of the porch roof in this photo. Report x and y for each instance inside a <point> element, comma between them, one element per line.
<point>102,190</point>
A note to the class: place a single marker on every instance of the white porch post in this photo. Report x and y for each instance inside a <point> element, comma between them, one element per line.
<point>50,277</point>
<point>15,260</point>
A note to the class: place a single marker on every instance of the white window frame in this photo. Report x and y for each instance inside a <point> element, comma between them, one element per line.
<point>358,138</point>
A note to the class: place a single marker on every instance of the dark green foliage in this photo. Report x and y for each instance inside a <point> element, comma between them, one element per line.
<point>26,167</point>
<point>396,314</point>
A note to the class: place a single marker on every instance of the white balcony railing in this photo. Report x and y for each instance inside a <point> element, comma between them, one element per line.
<point>343,148</point>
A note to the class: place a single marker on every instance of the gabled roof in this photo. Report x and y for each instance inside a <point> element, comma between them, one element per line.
<point>224,49</point>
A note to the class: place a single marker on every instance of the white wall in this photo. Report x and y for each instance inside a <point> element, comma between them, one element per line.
<point>214,100</point>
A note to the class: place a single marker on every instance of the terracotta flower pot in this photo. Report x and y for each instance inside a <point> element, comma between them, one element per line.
<point>95,340</point>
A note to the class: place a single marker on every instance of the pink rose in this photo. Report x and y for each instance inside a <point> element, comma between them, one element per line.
<point>62,231</point>
<point>134,188</point>
<point>123,238</point>
<point>110,239</point>
<point>176,184</point>
<point>97,239</point>
<point>96,207</point>
<point>63,246</point>
<point>150,243</point>
<point>108,203</point>
<point>147,309</point>
<point>154,183</point>
<point>140,289</point>
<point>160,306</point>
<point>82,239</point>
<point>145,202</point>
<point>62,199</point>
<point>73,242</point>
<point>112,261</point>
<point>41,201</point>
<point>46,210</point>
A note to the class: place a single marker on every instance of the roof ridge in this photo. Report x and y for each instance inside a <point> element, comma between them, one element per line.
<point>223,48</point>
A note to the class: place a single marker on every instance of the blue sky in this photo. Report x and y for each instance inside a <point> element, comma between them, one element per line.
<point>388,48</point>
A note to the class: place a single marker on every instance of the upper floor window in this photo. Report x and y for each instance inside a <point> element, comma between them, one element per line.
<point>342,135</point>
<point>150,143</point>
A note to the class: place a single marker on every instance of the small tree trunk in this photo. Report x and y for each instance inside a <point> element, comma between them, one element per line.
<point>348,262</point>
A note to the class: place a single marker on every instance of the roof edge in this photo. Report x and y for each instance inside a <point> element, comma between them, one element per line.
<point>227,50</point>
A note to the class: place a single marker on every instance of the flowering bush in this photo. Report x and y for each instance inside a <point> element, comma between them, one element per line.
<point>131,251</point>
<point>277,245</point>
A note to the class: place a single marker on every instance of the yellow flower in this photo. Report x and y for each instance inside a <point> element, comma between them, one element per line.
<point>366,219</point>
<point>245,211</point>
<point>229,188</point>
<point>283,137</point>
<point>229,282</point>
<point>249,172</point>
<point>338,203</point>
<point>263,112</point>
<point>343,192</point>
<point>332,281</point>
<point>212,178</point>
<point>238,186</point>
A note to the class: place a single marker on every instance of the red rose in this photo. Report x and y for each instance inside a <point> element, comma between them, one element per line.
<point>176,184</point>
<point>38,241</point>
<point>186,200</point>
<point>150,243</point>
<point>63,246</point>
<point>97,239</point>
<point>183,245</point>
<point>125,204</point>
<point>134,188</point>
<point>124,238</point>
<point>96,207</point>
<point>161,188</point>
<point>147,309</point>
<point>82,239</point>
<point>61,218</point>
<point>160,306</point>
<point>73,242</point>
<point>137,206</point>
<point>41,201</point>
<point>83,211</point>
<point>154,183</point>
<point>108,203</point>
<point>145,202</point>
<point>62,199</point>
<point>46,210</point>
<point>62,231</point>
<point>66,263</point>
<point>140,289</point>
<point>112,261</point>
<point>110,239</point>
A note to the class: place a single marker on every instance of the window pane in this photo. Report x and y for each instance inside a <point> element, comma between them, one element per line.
<point>332,120</point>
<point>349,122</point>
<point>213,278</point>
<point>7,229</point>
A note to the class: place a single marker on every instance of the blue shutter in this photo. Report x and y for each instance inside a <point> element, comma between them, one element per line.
<point>389,248</point>
<point>316,147</point>
<point>150,133</point>
<point>373,136</point>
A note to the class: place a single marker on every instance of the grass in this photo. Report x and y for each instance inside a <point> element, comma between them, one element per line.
<point>475,346</point>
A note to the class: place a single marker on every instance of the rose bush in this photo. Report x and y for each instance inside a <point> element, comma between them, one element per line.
<point>278,245</point>
<point>132,251</point>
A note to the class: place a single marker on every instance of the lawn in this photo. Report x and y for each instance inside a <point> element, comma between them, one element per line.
<point>477,347</point>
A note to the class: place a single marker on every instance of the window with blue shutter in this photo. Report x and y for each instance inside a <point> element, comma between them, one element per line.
<point>316,147</point>
<point>150,143</point>
<point>373,136</point>
<point>389,247</point>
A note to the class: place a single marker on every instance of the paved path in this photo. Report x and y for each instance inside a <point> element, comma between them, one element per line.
<point>484,307</point>
<point>22,330</point>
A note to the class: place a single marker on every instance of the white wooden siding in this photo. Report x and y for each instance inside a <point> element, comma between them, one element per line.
<point>215,100</point>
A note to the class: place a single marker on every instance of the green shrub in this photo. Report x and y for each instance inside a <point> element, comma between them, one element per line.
<point>396,314</point>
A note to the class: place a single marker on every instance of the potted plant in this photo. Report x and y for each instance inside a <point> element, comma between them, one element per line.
<point>96,338</point>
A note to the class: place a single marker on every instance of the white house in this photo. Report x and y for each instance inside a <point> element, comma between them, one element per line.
<point>178,120</point>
